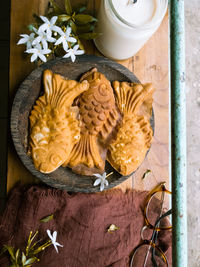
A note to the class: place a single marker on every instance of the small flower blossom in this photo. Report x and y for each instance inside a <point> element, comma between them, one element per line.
<point>27,39</point>
<point>43,37</point>
<point>72,52</point>
<point>101,180</point>
<point>53,239</point>
<point>65,38</point>
<point>49,25</point>
<point>38,52</point>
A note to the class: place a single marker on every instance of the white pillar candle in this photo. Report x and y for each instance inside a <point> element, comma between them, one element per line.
<point>124,26</point>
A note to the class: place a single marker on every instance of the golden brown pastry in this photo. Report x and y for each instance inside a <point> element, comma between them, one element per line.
<point>54,128</point>
<point>134,134</point>
<point>98,117</point>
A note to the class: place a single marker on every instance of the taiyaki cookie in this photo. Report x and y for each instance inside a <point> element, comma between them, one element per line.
<point>134,134</point>
<point>98,118</point>
<point>54,128</point>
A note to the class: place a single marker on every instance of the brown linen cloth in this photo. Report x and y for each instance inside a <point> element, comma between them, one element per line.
<point>81,221</point>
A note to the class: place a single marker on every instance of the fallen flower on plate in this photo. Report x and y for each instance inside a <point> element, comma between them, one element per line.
<point>101,179</point>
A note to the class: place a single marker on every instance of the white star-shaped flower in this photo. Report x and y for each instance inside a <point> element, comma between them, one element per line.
<point>65,38</point>
<point>38,51</point>
<point>27,39</point>
<point>43,37</point>
<point>49,25</point>
<point>72,52</point>
<point>53,239</point>
<point>101,180</point>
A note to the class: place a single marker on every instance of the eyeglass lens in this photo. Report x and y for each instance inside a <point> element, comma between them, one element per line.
<point>158,205</point>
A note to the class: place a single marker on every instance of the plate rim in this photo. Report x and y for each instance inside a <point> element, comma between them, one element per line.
<point>36,73</point>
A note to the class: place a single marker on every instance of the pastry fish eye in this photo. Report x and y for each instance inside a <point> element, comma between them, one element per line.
<point>103,89</point>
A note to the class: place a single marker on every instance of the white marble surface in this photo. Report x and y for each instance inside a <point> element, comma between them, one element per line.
<point>192,23</point>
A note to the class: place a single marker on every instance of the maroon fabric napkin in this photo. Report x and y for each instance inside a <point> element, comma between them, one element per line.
<point>81,221</point>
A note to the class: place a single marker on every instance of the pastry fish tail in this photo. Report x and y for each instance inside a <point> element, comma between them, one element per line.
<point>61,92</point>
<point>86,152</point>
<point>131,96</point>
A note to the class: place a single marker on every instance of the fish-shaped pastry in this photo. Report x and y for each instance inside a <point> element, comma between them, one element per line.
<point>54,128</point>
<point>134,133</point>
<point>98,117</point>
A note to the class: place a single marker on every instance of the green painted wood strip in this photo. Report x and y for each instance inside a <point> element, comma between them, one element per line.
<point>178,138</point>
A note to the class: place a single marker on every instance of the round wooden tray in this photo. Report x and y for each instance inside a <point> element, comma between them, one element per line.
<point>30,90</point>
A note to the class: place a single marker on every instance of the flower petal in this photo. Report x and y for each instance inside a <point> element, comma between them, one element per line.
<point>75,48</point>
<point>24,35</point>
<point>50,39</point>
<point>102,187</point>
<point>44,44</point>
<point>97,182</point>
<point>59,245</point>
<point>42,57</point>
<point>34,57</point>
<point>46,51</point>
<point>22,41</point>
<point>104,175</point>
<point>57,29</point>
<point>65,45</point>
<point>49,234</point>
<point>37,40</point>
<point>53,20</point>
<point>59,41</point>
<point>71,40</point>
<point>79,52</point>
<point>55,247</point>
<point>54,235</point>
<point>67,55</point>
<point>106,182</point>
<point>45,19</point>
<point>31,51</point>
<point>43,28</point>
<point>97,175</point>
<point>68,31</point>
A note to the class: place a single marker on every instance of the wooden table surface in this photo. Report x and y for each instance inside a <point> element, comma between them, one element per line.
<point>149,65</point>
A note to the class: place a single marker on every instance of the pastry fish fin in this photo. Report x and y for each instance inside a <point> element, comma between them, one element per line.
<point>130,96</point>
<point>60,92</point>
<point>37,110</point>
<point>146,129</point>
<point>86,152</point>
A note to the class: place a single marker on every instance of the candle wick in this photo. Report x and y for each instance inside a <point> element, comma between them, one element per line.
<point>131,2</point>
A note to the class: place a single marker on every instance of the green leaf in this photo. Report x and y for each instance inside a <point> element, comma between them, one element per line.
<point>47,219</point>
<point>80,45</point>
<point>37,18</point>
<point>31,27</point>
<point>85,28</point>
<point>68,7</point>
<point>56,8</point>
<point>63,17</point>
<point>11,251</point>
<point>30,261</point>
<point>3,250</point>
<point>17,255</point>
<point>73,26</point>
<point>146,174</point>
<point>82,9</point>
<point>84,19</point>
<point>79,8</point>
<point>23,258</point>
<point>88,36</point>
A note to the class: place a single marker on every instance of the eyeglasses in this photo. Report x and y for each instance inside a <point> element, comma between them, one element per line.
<point>157,217</point>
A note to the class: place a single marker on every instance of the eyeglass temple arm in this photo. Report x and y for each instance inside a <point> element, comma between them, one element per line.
<point>155,234</point>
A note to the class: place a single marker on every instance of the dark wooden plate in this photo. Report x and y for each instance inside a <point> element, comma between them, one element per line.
<point>30,90</point>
